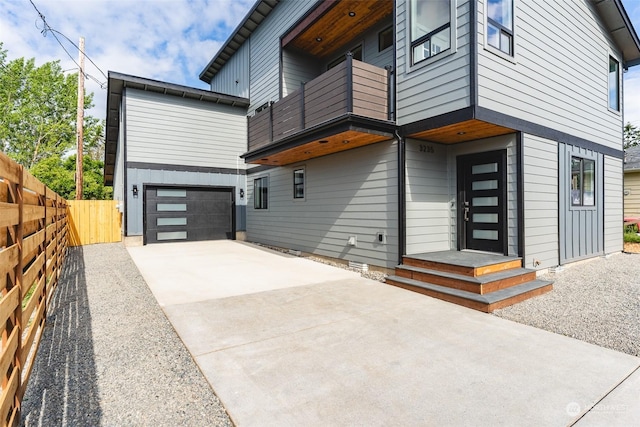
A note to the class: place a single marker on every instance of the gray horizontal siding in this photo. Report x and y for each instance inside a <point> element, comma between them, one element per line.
<point>141,177</point>
<point>171,130</point>
<point>265,50</point>
<point>427,199</point>
<point>540,176</point>
<point>233,78</point>
<point>613,195</point>
<point>560,75</point>
<point>353,193</point>
<point>297,69</point>
<point>437,87</point>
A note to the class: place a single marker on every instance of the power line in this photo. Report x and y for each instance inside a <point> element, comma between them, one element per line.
<point>48,28</point>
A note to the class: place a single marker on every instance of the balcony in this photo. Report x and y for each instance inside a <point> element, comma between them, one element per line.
<point>344,108</point>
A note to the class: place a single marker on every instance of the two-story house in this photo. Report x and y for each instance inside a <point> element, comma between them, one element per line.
<point>472,142</point>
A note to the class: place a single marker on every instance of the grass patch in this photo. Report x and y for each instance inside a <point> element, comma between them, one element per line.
<point>631,237</point>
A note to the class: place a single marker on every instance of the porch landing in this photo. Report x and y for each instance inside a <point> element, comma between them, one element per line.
<point>481,281</point>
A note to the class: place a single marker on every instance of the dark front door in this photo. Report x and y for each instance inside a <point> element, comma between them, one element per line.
<point>482,212</point>
<point>173,213</point>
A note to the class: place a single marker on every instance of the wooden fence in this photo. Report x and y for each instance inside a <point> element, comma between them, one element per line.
<point>33,243</point>
<point>94,221</point>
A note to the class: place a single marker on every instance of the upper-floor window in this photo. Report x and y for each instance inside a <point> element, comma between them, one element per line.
<point>430,28</point>
<point>614,84</point>
<point>583,182</point>
<point>500,25</point>
<point>260,192</point>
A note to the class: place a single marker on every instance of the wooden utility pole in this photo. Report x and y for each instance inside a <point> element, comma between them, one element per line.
<point>80,120</point>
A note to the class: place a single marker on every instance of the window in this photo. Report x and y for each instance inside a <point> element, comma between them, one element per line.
<point>500,25</point>
<point>614,84</point>
<point>385,39</point>
<point>356,52</point>
<point>260,192</point>
<point>430,28</point>
<point>583,182</point>
<point>298,184</point>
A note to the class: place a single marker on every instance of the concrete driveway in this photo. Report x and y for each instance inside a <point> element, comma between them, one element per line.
<point>287,341</point>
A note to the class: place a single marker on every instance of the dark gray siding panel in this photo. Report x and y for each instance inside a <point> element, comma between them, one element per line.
<point>581,229</point>
<point>141,177</point>
<point>353,193</point>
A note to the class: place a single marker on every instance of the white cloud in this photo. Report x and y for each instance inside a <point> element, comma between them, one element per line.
<point>169,40</point>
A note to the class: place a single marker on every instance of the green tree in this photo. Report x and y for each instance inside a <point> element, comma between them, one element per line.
<point>59,175</point>
<point>631,135</point>
<point>38,111</point>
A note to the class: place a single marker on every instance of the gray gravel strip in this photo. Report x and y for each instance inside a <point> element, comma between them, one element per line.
<point>109,356</point>
<point>597,301</point>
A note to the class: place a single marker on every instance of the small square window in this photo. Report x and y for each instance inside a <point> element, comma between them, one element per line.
<point>614,84</point>
<point>583,182</point>
<point>298,184</point>
<point>385,39</point>
<point>260,192</point>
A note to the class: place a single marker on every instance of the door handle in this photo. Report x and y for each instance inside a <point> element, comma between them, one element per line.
<point>466,213</point>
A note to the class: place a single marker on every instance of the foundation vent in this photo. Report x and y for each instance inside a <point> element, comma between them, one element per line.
<point>358,266</point>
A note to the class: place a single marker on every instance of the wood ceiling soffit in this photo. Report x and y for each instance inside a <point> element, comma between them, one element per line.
<point>335,143</point>
<point>462,132</point>
<point>333,24</point>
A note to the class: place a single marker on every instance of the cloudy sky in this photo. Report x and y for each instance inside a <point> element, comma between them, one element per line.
<point>169,40</point>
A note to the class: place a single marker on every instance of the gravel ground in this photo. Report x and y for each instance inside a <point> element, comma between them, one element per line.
<point>597,301</point>
<point>109,356</point>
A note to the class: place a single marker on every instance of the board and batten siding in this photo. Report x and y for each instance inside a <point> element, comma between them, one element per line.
<point>140,177</point>
<point>428,198</point>
<point>582,228</point>
<point>504,142</point>
<point>233,77</point>
<point>559,75</point>
<point>352,193</point>
<point>170,130</point>
<point>613,201</point>
<point>632,194</point>
<point>265,50</point>
<point>436,86</point>
<point>540,176</point>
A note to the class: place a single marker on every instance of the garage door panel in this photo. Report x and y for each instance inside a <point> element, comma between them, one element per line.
<point>188,214</point>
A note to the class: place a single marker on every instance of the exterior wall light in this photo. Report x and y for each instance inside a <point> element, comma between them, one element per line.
<point>135,190</point>
<point>242,193</point>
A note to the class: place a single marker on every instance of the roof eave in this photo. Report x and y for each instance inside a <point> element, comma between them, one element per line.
<point>254,16</point>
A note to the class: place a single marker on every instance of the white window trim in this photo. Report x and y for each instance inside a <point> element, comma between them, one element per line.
<point>617,112</point>
<point>492,49</point>
<point>453,28</point>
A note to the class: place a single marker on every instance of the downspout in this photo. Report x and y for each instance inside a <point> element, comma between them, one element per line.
<point>402,236</point>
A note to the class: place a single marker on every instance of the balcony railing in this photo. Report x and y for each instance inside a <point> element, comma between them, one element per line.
<point>351,87</point>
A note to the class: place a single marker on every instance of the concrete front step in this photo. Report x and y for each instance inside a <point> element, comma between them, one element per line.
<point>486,302</point>
<point>482,284</point>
